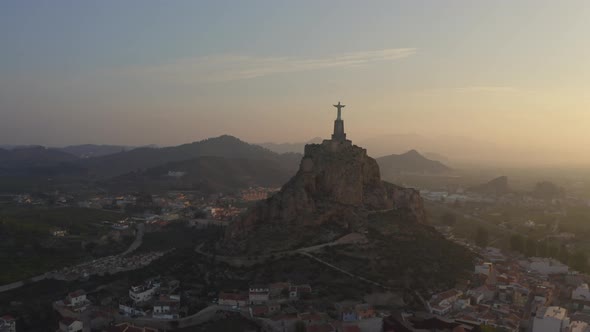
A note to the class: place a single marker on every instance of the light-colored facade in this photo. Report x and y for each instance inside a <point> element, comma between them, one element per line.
<point>144,292</point>
<point>551,319</point>
<point>578,326</point>
<point>259,294</point>
<point>442,303</point>
<point>165,310</point>
<point>581,293</point>
<point>70,325</point>
<point>547,266</point>
<point>77,298</point>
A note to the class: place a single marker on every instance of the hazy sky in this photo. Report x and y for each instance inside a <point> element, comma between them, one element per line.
<point>511,73</point>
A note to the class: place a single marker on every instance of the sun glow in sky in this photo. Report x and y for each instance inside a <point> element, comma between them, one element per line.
<point>512,74</point>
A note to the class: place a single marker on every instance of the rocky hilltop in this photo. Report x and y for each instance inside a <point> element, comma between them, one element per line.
<point>337,209</point>
<point>335,188</point>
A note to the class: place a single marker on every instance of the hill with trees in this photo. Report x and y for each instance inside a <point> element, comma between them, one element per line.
<point>207,174</point>
<point>147,157</point>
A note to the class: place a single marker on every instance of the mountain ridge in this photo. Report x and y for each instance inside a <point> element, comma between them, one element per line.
<point>148,157</point>
<point>410,162</point>
<point>207,173</point>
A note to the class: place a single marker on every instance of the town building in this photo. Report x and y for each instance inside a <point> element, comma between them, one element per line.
<point>166,307</point>
<point>233,299</point>
<point>77,301</point>
<point>442,303</point>
<point>545,266</point>
<point>258,294</point>
<point>551,319</point>
<point>581,297</point>
<point>145,291</point>
<point>578,326</point>
<point>70,325</point>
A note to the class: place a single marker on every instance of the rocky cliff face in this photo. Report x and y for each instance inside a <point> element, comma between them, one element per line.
<point>336,186</point>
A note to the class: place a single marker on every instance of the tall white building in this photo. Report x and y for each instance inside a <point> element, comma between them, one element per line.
<point>551,319</point>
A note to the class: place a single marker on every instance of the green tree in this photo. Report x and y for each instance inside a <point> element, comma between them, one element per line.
<point>300,326</point>
<point>579,261</point>
<point>564,255</point>
<point>448,219</point>
<point>481,237</point>
<point>487,328</point>
<point>530,247</point>
<point>542,249</point>
<point>517,243</point>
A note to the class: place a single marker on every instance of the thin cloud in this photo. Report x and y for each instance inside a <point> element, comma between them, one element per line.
<point>478,89</point>
<point>224,68</point>
<point>487,89</point>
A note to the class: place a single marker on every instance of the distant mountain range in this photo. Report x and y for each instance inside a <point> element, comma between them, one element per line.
<point>207,174</point>
<point>37,160</point>
<point>93,150</point>
<point>290,147</point>
<point>223,146</point>
<point>219,163</point>
<point>411,162</point>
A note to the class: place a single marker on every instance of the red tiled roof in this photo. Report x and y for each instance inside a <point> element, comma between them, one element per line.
<point>320,328</point>
<point>77,293</point>
<point>126,327</point>
<point>351,328</point>
<point>286,317</point>
<point>233,296</point>
<point>311,317</point>
<point>280,285</point>
<point>133,329</point>
<point>259,310</point>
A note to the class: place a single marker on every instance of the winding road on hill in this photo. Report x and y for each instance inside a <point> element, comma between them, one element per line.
<point>306,251</point>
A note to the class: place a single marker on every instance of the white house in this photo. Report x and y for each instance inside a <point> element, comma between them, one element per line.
<point>145,291</point>
<point>551,319</point>
<point>258,294</point>
<point>578,326</point>
<point>70,325</point>
<point>442,303</point>
<point>76,298</point>
<point>77,301</point>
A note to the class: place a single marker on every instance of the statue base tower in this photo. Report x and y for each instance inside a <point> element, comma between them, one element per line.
<point>339,134</point>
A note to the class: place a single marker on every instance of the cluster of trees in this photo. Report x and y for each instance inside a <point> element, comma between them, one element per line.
<point>531,247</point>
<point>481,237</point>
